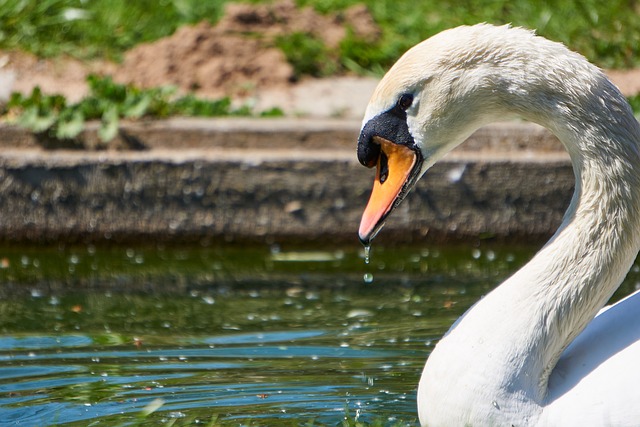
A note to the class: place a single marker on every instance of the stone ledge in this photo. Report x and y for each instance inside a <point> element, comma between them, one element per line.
<point>271,181</point>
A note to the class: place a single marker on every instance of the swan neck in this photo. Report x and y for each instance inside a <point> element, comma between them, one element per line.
<point>579,269</point>
<point>516,334</point>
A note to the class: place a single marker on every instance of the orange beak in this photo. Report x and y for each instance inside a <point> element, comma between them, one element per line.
<point>395,169</point>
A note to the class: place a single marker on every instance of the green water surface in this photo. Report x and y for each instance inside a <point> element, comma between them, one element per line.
<point>230,335</point>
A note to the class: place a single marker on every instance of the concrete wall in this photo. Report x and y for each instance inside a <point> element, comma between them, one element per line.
<point>188,180</point>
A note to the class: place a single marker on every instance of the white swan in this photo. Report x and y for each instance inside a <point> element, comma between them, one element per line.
<point>521,356</point>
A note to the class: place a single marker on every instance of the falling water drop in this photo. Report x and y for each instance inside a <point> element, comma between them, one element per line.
<point>368,277</point>
<point>367,254</point>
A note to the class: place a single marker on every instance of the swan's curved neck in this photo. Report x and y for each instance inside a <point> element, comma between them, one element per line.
<point>577,271</point>
<point>501,352</point>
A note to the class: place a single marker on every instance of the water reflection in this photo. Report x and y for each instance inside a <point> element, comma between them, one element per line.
<point>235,335</point>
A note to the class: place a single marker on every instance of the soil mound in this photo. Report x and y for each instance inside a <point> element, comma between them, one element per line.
<point>238,55</point>
<point>202,60</point>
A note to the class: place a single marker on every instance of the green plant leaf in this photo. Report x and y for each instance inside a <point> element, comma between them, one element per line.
<point>33,120</point>
<point>272,112</point>
<point>109,124</point>
<point>70,127</point>
<point>138,108</point>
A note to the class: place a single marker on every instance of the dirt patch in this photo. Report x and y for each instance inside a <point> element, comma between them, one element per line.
<point>284,17</point>
<point>628,81</point>
<point>200,59</point>
<point>237,56</point>
<point>21,72</point>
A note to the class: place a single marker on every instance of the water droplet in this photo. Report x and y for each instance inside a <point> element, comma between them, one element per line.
<point>367,254</point>
<point>368,278</point>
<point>456,173</point>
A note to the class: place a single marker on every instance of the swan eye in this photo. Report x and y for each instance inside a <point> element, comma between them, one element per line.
<point>405,101</point>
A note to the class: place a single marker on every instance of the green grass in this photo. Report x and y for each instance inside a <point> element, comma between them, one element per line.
<point>608,33</point>
<point>634,101</point>
<point>307,54</point>
<point>88,29</point>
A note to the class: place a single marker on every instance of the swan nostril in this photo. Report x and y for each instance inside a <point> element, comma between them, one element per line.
<point>368,150</point>
<point>384,168</point>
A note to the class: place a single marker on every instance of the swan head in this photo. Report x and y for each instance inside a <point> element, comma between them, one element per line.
<point>434,97</point>
<point>387,143</point>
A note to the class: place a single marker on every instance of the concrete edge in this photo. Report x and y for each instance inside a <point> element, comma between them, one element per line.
<point>266,180</point>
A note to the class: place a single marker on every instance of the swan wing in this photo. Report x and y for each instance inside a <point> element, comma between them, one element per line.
<point>597,379</point>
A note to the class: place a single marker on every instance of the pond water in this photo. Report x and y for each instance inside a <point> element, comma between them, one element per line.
<point>229,336</point>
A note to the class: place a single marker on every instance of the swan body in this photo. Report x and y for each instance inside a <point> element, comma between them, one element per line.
<point>539,350</point>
